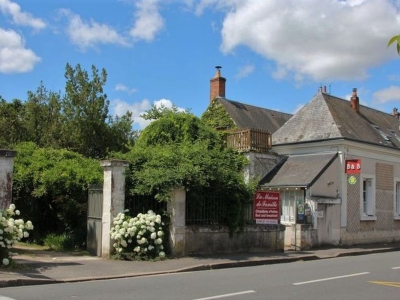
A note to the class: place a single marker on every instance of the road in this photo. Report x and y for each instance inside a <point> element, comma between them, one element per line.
<point>374,276</point>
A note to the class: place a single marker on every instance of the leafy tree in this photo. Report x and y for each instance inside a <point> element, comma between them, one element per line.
<point>87,127</point>
<point>43,117</point>
<point>156,112</point>
<point>395,39</point>
<point>180,151</point>
<point>12,126</point>
<point>50,187</point>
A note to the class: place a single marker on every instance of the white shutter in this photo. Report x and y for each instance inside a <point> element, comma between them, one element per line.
<point>370,198</point>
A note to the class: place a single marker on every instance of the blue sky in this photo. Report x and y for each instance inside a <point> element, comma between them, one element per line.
<point>274,53</point>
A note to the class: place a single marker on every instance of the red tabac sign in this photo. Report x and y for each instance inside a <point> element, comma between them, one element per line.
<point>353,166</point>
<point>266,207</point>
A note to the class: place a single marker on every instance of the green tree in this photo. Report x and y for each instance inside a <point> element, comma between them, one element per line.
<point>393,40</point>
<point>180,151</point>
<point>50,187</point>
<point>43,117</point>
<point>12,123</point>
<point>87,127</point>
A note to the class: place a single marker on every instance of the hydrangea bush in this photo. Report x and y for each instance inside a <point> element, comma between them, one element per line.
<point>138,238</point>
<point>11,231</point>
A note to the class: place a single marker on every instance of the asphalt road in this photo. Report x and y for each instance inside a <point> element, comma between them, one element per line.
<point>374,276</point>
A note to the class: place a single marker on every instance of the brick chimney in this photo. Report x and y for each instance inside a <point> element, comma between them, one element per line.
<point>217,85</point>
<point>355,101</point>
<point>396,113</point>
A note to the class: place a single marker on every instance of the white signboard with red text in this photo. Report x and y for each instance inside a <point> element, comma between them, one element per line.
<point>266,207</point>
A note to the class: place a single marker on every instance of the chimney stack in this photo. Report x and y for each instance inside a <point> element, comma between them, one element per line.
<point>217,85</point>
<point>395,113</point>
<point>354,100</point>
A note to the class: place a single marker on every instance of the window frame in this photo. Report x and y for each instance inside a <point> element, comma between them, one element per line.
<point>289,198</point>
<point>371,198</point>
<point>396,199</point>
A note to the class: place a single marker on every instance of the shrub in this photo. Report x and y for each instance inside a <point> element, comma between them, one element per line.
<point>11,231</point>
<point>59,242</point>
<point>138,238</point>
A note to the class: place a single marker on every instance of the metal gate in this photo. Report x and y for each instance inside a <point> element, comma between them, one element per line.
<point>94,220</point>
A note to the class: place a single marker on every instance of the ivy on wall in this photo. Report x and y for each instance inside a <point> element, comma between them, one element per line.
<point>217,117</point>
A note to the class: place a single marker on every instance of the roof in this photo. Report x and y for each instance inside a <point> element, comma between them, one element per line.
<point>330,117</point>
<point>298,170</point>
<point>248,116</point>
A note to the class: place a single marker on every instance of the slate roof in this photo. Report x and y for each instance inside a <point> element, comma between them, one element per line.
<point>298,170</point>
<point>330,117</point>
<point>248,116</point>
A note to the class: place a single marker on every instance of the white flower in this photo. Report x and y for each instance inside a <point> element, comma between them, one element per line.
<point>6,261</point>
<point>136,249</point>
<point>26,234</point>
<point>160,233</point>
<point>153,235</point>
<point>17,212</point>
<point>161,254</point>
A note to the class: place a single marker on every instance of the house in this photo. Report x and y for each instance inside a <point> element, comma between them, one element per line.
<point>249,128</point>
<point>339,182</point>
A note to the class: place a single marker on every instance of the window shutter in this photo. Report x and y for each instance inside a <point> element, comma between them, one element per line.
<point>398,198</point>
<point>370,198</point>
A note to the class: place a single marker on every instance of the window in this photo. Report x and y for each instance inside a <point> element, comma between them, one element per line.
<point>289,199</point>
<point>397,201</point>
<point>368,199</point>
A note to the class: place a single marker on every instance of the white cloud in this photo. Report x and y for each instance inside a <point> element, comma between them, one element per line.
<point>148,20</point>
<point>389,94</point>
<point>91,33</point>
<point>123,88</point>
<point>14,57</point>
<point>317,39</point>
<point>19,17</point>
<point>120,107</point>
<point>245,71</point>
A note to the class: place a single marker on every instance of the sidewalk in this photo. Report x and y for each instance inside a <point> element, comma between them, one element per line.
<point>44,267</point>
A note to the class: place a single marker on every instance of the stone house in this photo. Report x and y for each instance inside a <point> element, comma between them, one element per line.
<point>248,128</point>
<point>335,163</point>
<point>339,182</point>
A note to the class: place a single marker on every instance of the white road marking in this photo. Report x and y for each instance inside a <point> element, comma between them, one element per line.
<point>330,278</point>
<point>227,295</point>
<point>395,268</point>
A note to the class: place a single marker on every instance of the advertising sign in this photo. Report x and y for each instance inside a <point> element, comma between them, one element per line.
<point>353,166</point>
<point>266,207</point>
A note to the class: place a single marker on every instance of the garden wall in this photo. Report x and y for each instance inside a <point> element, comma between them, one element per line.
<point>213,240</point>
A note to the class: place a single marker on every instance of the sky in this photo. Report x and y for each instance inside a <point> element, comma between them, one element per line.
<point>274,54</point>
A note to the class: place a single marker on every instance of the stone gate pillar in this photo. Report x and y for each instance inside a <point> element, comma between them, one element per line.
<point>177,211</point>
<point>113,199</point>
<point>6,176</point>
